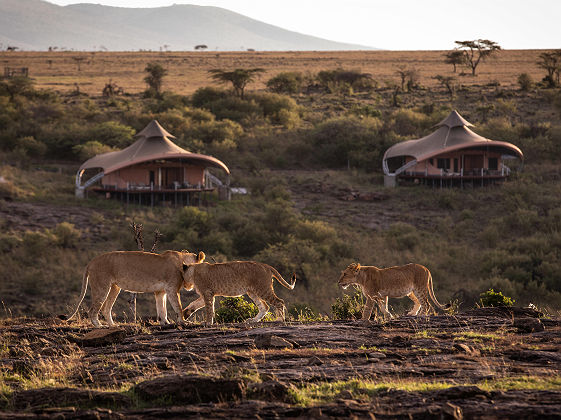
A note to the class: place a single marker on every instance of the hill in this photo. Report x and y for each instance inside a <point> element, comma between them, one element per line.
<point>38,25</point>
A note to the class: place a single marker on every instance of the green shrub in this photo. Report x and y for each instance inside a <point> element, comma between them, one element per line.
<point>206,95</point>
<point>31,146</point>
<point>67,236</point>
<point>525,82</point>
<point>350,140</point>
<point>492,298</point>
<point>36,244</point>
<point>90,149</point>
<point>237,309</point>
<point>402,236</point>
<point>348,307</point>
<point>303,313</point>
<point>333,80</point>
<point>286,82</point>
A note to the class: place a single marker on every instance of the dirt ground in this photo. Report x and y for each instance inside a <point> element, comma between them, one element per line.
<point>188,71</point>
<point>54,369</point>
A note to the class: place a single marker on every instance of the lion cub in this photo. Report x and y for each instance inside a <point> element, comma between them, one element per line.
<point>377,284</point>
<point>234,278</point>
<point>135,271</point>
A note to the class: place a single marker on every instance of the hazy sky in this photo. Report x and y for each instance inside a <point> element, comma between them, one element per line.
<point>397,24</point>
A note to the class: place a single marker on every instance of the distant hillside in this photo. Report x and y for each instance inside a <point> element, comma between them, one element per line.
<point>38,25</point>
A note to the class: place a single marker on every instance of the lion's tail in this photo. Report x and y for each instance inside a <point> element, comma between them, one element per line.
<point>433,297</point>
<point>83,293</point>
<point>282,281</point>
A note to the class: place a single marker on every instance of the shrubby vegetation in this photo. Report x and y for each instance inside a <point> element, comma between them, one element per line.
<point>504,237</point>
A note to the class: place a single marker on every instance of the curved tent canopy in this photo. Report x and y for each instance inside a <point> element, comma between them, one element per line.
<point>452,134</point>
<point>153,143</point>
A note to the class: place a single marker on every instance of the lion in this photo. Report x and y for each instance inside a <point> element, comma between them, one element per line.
<point>378,284</point>
<point>234,278</point>
<point>135,271</point>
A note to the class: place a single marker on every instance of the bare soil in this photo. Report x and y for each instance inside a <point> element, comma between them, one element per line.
<point>249,371</point>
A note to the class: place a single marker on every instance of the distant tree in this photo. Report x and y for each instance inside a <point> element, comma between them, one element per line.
<point>154,79</point>
<point>239,78</point>
<point>477,51</point>
<point>454,57</point>
<point>78,61</point>
<point>550,61</point>
<point>448,82</point>
<point>409,77</point>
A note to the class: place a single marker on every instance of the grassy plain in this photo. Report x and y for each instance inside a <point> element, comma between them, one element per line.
<point>187,71</point>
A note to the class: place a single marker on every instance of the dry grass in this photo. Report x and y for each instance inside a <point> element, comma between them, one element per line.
<point>189,70</point>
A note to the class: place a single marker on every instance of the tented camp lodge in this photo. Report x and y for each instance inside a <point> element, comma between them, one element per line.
<point>451,155</point>
<point>153,170</point>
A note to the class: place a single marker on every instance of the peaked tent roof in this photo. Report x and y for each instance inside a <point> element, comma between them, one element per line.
<point>452,134</point>
<point>153,143</point>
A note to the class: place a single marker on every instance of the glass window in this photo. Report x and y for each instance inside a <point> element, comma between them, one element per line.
<point>443,163</point>
<point>493,164</point>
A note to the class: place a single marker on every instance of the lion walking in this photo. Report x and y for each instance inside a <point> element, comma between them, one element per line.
<point>379,284</point>
<point>135,271</point>
<point>235,278</point>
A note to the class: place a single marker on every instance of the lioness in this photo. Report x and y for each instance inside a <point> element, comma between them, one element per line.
<point>377,284</point>
<point>234,278</point>
<point>135,271</point>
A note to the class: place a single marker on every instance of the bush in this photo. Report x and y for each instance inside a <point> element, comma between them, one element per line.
<point>90,149</point>
<point>286,82</point>
<point>206,95</point>
<point>525,82</point>
<point>344,140</point>
<point>494,299</point>
<point>303,313</point>
<point>30,146</point>
<point>332,80</point>
<point>237,309</point>
<point>348,307</point>
<point>67,236</point>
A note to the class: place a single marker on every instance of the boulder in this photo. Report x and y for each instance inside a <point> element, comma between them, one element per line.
<point>267,341</point>
<point>190,389</point>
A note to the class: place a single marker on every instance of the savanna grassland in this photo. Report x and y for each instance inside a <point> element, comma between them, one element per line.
<point>187,71</point>
<point>309,152</point>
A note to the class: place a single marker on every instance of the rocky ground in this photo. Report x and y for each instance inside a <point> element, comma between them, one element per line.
<point>486,363</point>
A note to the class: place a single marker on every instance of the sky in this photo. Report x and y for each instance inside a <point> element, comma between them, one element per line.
<point>397,24</point>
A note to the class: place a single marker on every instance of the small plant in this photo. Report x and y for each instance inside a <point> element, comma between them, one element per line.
<point>348,307</point>
<point>237,309</point>
<point>525,82</point>
<point>494,299</point>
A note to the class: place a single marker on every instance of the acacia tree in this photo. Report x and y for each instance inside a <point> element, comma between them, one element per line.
<point>239,78</point>
<point>551,63</point>
<point>477,51</point>
<point>409,75</point>
<point>155,77</point>
<point>454,57</point>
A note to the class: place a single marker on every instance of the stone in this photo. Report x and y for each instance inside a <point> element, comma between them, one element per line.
<point>266,341</point>
<point>376,355</point>
<point>463,348</point>
<point>528,325</point>
<point>462,392</point>
<point>68,397</point>
<point>102,337</point>
<point>314,361</point>
<point>269,391</point>
<point>190,389</point>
